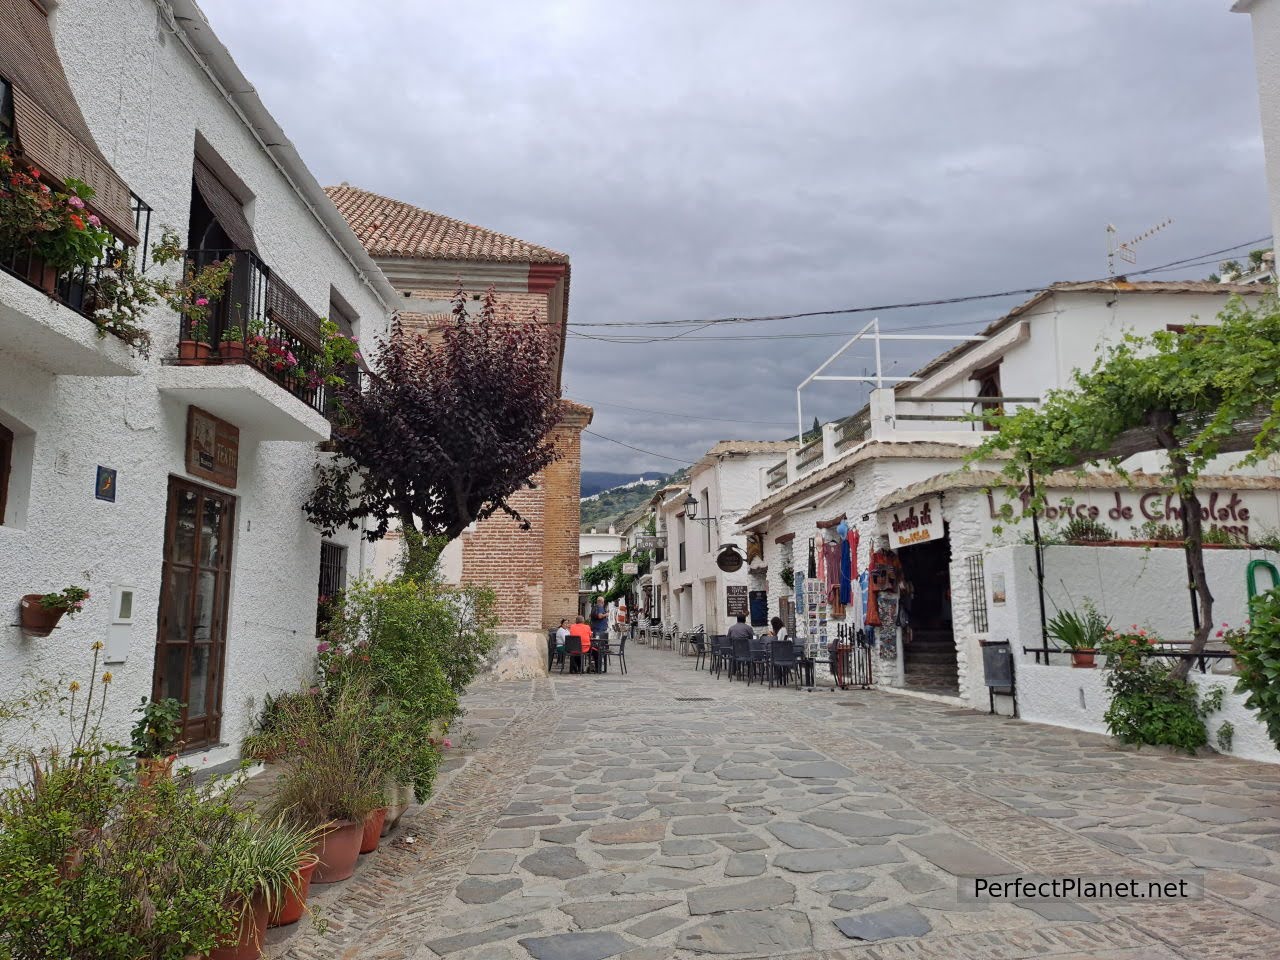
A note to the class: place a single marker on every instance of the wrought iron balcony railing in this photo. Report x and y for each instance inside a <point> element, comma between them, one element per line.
<point>260,321</point>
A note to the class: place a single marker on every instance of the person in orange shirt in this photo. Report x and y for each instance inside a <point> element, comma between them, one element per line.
<point>583,633</point>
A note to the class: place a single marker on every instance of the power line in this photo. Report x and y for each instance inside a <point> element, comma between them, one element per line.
<point>686,416</point>
<point>638,449</point>
<point>884,308</point>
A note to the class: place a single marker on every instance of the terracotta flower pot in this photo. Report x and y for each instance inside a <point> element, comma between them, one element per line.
<point>192,353</point>
<point>37,621</point>
<point>295,898</point>
<point>401,797</point>
<point>154,769</point>
<point>338,849</point>
<point>372,830</point>
<point>231,351</point>
<point>247,944</point>
<point>1082,658</point>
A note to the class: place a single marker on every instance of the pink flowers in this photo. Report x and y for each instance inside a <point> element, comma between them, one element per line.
<point>202,301</point>
<point>93,219</point>
<point>446,743</point>
<point>75,202</point>
<point>323,647</point>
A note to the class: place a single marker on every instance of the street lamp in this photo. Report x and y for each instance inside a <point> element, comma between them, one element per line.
<point>691,511</point>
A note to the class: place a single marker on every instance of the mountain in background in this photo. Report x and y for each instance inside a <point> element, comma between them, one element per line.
<point>594,481</point>
<point>606,506</point>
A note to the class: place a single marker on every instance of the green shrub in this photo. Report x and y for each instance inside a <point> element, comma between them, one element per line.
<point>1257,649</point>
<point>1148,704</point>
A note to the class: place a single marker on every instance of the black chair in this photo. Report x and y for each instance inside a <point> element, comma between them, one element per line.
<point>699,642</point>
<point>784,665</point>
<point>741,658</point>
<point>759,658</point>
<point>572,654</point>
<point>719,656</point>
<point>620,654</point>
<point>600,654</point>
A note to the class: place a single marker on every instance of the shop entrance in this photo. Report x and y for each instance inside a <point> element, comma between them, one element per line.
<point>929,649</point>
<point>196,579</point>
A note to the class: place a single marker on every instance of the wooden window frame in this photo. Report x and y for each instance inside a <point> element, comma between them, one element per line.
<point>988,378</point>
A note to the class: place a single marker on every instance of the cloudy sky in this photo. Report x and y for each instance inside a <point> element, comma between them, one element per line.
<point>711,158</point>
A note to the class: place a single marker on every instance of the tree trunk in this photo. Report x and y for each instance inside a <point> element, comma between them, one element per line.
<point>1194,546</point>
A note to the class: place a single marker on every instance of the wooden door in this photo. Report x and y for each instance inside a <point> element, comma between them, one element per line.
<point>196,579</point>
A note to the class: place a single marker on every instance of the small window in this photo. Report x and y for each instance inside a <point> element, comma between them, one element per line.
<point>6,112</point>
<point>333,580</point>
<point>988,381</point>
<point>6,468</point>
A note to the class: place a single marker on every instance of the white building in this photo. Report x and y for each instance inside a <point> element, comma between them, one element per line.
<point>898,463</point>
<point>172,492</point>
<point>1266,54</point>
<point>692,588</point>
<point>593,548</point>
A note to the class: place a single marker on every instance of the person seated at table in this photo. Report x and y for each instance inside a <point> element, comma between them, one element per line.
<point>583,633</point>
<point>779,628</point>
<point>740,630</point>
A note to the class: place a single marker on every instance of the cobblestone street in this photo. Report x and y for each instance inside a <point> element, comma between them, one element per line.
<point>667,813</point>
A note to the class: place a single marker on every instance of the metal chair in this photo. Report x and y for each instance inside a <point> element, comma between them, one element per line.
<point>572,655</point>
<point>740,659</point>
<point>782,655</point>
<point>620,654</point>
<point>699,642</point>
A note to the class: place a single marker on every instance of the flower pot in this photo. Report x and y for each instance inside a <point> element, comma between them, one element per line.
<point>1082,658</point>
<point>42,275</point>
<point>192,353</point>
<point>153,769</point>
<point>37,621</point>
<point>247,944</point>
<point>372,830</point>
<point>295,898</point>
<point>400,796</point>
<point>231,351</point>
<point>338,849</point>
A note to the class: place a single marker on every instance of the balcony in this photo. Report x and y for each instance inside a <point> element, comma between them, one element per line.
<point>253,359</point>
<point>47,321</point>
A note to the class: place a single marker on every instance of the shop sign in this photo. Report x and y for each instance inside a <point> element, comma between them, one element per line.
<point>918,523</point>
<point>630,569</point>
<point>213,448</point>
<point>729,560</point>
<point>1126,510</point>
<point>738,601</point>
<point>649,541</point>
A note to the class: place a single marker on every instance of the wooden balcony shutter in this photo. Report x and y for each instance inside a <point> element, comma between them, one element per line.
<point>225,207</point>
<point>49,128</point>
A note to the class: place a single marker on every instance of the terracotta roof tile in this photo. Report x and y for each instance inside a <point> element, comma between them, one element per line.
<point>392,228</point>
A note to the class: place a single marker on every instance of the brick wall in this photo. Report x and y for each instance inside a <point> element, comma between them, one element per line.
<point>500,555</point>
<point>563,486</point>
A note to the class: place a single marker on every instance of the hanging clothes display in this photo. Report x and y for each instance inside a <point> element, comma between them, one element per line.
<point>853,552</point>
<point>813,562</point>
<point>884,575</point>
<point>846,561</point>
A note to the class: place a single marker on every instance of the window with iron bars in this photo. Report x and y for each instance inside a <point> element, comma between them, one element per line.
<point>977,592</point>
<point>333,580</point>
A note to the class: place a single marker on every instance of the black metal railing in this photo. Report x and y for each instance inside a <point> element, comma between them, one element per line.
<point>1200,660</point>
<point>261,322</point>
<point>76,288</point>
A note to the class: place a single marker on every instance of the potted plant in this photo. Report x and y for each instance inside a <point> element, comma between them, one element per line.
<point>399,799</point>
<point>155,737</point>
<point>326,787</point>
<point>39,613</point>
<point>372,832</point>
<point>232,348</point>
<point>1086,530</point>
<point>1081,634</point>
<point>195,349</point>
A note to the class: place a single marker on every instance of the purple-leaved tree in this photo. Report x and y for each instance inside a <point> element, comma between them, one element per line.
<point>449,426</point>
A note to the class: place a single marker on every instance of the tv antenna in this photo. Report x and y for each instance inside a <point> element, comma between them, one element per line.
<point>1125,251</point>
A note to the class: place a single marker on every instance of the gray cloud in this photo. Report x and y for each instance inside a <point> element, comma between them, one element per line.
<point>727,157</point>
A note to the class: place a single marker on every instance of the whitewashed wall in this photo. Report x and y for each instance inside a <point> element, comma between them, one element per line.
<point>1266,55</point>
<point>1130,585</point>
<point>146,100</point>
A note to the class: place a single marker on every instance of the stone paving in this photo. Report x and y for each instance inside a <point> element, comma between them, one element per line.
<point>670,814</point>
